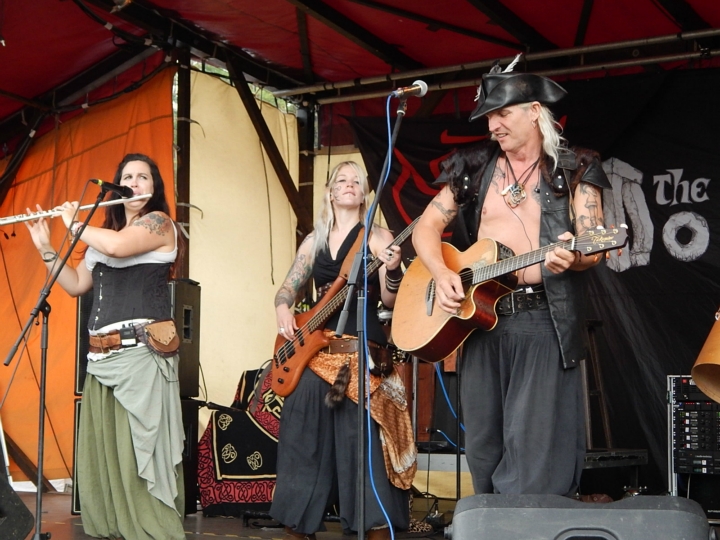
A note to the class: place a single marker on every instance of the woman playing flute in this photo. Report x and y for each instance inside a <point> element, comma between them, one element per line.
<point>130,439</point>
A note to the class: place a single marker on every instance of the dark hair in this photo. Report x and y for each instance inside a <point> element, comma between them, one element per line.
<point>115,214</point>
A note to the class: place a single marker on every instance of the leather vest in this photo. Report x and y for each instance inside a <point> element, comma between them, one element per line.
<point>565,292</point>
<point>134,292</point>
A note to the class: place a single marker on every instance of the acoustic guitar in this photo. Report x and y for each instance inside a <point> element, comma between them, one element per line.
<point>291,356</point>
<point>425,330</point>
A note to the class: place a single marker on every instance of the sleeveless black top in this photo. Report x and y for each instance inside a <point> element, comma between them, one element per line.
<point>326,270</point>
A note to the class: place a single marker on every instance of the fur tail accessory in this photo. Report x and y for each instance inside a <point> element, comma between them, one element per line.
<point>337,391</point>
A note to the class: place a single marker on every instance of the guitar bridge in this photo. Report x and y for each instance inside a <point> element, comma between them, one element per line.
<point>430,298</point>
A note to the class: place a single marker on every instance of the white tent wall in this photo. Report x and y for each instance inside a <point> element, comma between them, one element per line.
<point>242,233</point>
<point>242,230</point>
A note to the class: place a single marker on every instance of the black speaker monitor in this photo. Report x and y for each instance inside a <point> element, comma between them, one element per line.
<point>16,521</point>
<point>552,517</point>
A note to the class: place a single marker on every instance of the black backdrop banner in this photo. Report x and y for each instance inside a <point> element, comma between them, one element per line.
<point>656,300</point>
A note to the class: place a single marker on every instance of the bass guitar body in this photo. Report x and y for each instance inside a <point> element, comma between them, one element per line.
<point>291,356</point>
<point>425,330</point>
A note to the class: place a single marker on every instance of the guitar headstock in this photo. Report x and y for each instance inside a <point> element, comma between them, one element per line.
<point>601,239</point>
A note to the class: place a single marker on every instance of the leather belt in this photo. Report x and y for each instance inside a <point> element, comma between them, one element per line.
<point>346,346</point>
<point>520,300</point>
<point>382,357</point>
<point>113,340</point>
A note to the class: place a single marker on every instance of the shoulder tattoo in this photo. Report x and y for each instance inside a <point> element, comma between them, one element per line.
<point>448,215</point>
<point>498,179</point>
<point>154,222</point>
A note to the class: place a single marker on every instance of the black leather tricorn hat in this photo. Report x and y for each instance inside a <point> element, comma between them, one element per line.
<point>499,90</point>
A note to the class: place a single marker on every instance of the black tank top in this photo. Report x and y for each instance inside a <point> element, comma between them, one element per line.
<point>326,270</point>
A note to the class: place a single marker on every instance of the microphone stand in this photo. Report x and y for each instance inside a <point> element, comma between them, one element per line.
<point>356,280</point>
<point>42,306</point>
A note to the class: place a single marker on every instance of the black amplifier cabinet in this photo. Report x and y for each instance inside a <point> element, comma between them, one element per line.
<point>185,309</point>
<point>694,445</point>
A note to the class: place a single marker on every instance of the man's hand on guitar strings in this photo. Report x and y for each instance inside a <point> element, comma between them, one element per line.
<point>449,291</point>
<point>558,260</point>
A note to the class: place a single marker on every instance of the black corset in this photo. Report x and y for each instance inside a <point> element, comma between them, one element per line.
<point>135,292</point>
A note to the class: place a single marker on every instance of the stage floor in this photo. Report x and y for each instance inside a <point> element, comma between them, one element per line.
<point>62,525</point>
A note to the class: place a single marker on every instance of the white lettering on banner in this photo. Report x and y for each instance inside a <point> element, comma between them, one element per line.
<point>688,193</point>
<point>627,196</point>
<point>699,239</point>
<point>626,203</point>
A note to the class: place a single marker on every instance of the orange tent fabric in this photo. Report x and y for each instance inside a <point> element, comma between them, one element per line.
<point>57,169</point>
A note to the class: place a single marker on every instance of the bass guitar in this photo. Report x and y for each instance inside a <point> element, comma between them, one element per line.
<point>423,329</point>
<point>291,356</point>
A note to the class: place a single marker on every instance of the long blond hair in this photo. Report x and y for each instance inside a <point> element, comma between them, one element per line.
<point>550,129</point>
<point>326,219</point>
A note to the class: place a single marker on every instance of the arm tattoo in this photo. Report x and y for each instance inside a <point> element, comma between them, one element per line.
<point>593,202</point>
<point>448,215</point>
<point>154,222</point>
<point>298,274</point>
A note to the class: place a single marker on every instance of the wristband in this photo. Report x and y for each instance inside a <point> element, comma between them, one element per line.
<point>75,228</point>
<point>49,256</point>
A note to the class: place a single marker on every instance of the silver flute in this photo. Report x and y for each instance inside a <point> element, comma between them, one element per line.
<point>52,213</point>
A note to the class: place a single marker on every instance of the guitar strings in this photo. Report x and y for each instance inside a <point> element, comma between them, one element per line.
<point>467,274</point>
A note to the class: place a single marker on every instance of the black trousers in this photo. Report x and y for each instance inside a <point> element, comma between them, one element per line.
<point>318,465</point>
<point>522,411</point>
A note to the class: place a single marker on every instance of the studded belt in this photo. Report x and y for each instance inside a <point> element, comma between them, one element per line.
<point>521,300</point>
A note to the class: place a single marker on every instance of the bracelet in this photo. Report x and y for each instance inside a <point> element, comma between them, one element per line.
<point>395,275</point>
<point>52,257</point>
<point>392,288</point>
<point>392,285</point>
<point>74,228</point>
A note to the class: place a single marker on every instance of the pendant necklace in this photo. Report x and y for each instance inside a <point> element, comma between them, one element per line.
<point>515,192</point>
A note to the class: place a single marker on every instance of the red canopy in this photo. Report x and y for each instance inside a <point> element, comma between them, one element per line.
<point>58,52</point>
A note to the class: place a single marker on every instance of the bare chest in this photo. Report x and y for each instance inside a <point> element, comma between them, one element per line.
<point>515,225</point>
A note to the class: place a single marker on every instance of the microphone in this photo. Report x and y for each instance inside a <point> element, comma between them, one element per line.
<point>124,191</point>
<point>418,88</point>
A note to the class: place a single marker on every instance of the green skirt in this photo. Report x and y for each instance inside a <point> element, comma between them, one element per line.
<point>114,500</point>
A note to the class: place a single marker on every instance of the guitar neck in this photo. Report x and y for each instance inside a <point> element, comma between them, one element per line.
<point>511,264</point>
<point>319,319</point>
<point>377,263</point>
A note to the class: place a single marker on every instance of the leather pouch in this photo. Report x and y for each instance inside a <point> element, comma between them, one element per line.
<point>162,337</point>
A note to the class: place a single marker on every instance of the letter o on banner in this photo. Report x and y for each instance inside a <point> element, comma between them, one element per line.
<point>699,241</point>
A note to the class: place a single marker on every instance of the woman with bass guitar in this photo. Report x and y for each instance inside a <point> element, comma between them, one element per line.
<point>317,449</point>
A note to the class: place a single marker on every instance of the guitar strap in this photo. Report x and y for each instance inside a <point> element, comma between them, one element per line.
<point>350,257</point>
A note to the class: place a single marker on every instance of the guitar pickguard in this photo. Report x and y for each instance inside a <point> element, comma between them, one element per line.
<point>504,252</point>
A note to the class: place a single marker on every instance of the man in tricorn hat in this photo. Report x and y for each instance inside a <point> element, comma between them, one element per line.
<point>521,396</point>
